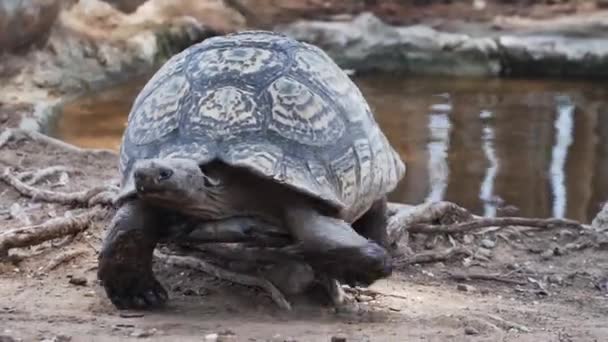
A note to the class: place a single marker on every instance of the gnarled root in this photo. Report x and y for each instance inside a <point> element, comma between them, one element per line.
<point>86,197</point>
<point>16,133</point>
<point>49,230</point>
<point>242,279</point>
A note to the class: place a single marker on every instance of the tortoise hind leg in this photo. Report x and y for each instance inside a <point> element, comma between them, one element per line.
<point>334,248</point>
<point>125,261</point>
<point>372,224</point>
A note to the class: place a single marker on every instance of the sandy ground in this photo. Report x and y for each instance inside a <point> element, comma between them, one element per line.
<point>558,299</point>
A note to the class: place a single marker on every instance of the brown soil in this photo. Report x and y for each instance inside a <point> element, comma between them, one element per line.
<point>416,303</point>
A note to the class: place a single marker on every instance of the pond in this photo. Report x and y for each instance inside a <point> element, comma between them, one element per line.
<point>518,147</point>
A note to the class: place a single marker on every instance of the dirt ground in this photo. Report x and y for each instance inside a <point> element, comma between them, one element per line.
<point>549,290</point>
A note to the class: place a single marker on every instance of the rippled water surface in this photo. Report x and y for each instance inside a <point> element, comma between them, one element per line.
<point>489,145</point>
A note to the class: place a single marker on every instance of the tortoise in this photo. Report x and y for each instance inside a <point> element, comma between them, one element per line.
<point>252,123</point>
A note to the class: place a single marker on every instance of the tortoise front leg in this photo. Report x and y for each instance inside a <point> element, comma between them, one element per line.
<point>125,261</point>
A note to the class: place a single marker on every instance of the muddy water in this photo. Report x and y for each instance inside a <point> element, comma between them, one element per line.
<point>494,146</point>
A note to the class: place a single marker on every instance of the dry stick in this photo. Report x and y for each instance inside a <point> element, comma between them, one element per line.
<point>220,273</point>
<point>497,221</point>
<point>80,197</point>
<point>506,325</point>
<point>49,230</point>
<point>62,258</point>
<point>481,276</point>
<point>37,176</point>
<point>428,257</point>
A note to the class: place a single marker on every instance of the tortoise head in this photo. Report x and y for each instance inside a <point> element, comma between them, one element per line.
<point>181,184</point>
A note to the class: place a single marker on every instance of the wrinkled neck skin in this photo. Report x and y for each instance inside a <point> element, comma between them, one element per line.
<point>213,192</point>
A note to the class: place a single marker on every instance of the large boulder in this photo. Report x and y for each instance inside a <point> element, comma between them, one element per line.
<point>25,23</point>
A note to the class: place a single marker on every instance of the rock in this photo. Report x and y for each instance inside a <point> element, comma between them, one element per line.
<point>487,243</point>
<point>6,337</point>
<point>471,331</point>
<point>212,337</point>
<point>126,6</point>
<point>25,23</point>
<point>366,44</point>
<point>547,254</point>
<point>141,333</point>
<point>79,281</point>
<point>338,338</point>
<point>484,252</point>
<point>600,221</point>
<point>555,279</point>
<point>465,288</point>
<point>364,298</point>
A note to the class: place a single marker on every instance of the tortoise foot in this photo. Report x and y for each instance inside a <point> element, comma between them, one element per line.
<point>143,292</point>
<point>358,266</point>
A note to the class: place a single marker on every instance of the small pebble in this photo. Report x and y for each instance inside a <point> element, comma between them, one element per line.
<point>555,279</point>
<point>470,331</point>
<point>338,338</point>
<point>140,333</point>
<point>487,243</point>
<point>364,298</point>
<point>548,254</point>
<point>211,337</point>
<point>465,288</point>
<point>79,281</point>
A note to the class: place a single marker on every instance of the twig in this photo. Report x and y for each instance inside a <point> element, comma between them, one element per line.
<point>62,258</point>
<point>51,229</point>
<point>247,280</point>
<point>80,197</point>
<point>507,325</point>
<point>481,276</point>
<point>429,257</point>
<point>37,176</point>
<point>403,217</point>
<point>550,223</point>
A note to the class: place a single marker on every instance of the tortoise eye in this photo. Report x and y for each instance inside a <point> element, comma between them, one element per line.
<point>165,174</point>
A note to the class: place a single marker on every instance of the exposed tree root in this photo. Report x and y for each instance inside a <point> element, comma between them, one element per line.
<point>429,257</point>
<point>242,279</point>
<point>51,229</point>
<point>477,223</point>
<point>16,133</point>
<point>78,198</point>
<point>482,276</point>
<point>32,178</point>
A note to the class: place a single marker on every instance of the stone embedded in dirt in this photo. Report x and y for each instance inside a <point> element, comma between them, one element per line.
<point>547,254</point>
<point>465,288</point>
<point>212,337</point>
<point>364,298</point>
<point>141,333</point>
<point>470,331</point>
<point>79,281</point>
<point>338,338</point>
<point>484,253</point>
<point>6,337</point>
<point>555,279</point>
<point>487,243</point>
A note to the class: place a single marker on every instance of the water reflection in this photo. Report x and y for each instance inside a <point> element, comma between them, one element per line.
<point>486,192</point>
<point>559,154</point>
<point>540,146</point>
